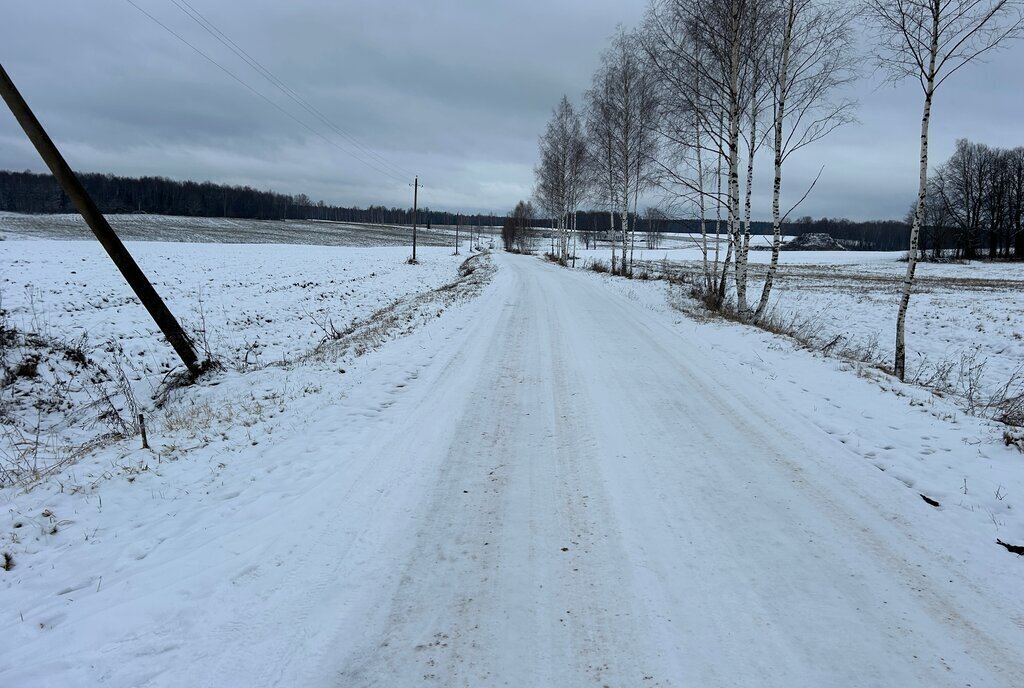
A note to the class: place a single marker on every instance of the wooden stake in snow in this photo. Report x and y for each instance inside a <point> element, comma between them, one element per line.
<point>415,199</point>
<point>98,224</point>
<point>142,429</point>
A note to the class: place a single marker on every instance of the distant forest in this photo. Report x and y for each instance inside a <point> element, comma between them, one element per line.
<point>28,192</point>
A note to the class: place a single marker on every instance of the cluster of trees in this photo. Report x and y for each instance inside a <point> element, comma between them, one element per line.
<point>871,235</point>
<point>974,201</point>
<point>685,102</point>
<point>681,106</point>
<point>517,232</point>
<point>27,192</point>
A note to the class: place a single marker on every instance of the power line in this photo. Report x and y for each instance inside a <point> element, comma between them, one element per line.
<point>225,40</point>
<point>231,74</point>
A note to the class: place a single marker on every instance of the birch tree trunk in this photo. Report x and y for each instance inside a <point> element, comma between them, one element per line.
<point>626,268</point>
<point>565,238</point>
<point>632,237</point>
<point>743,242</point>
<point>723,278</point>
<point>734,136</point>
<point>625,201</point>
<point>611,223</point>
<point>700,202</point>
<point>780,114</point>
<point>625,210</point>
<point>718,196</point>
<point>636,218</point>
<point>900,365</point>
<point>575,213</point>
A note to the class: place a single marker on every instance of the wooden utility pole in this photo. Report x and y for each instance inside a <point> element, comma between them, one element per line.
<point>415,194</point>
<point>98,224</point>
<point>458,221</point>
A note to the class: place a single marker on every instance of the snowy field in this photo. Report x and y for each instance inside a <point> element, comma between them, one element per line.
<point>450,490</point>
<point>964,326</point>
<point>223,230</point>
<point>249,305</point>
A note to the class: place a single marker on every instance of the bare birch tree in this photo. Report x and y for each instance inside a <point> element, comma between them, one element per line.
<point>601,148</point>
<point>560,174</point>
<point>930,40</point>
<point>762,18</point>
<point>681,171</point>
<point>578,176</point>
<point>684,41</point>
<point>719,46</point>
<point>810,59</point>
<point>621,111</point>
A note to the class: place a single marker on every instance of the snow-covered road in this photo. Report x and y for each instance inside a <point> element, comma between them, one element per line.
<point>614,506</point>
<point>558,488</point>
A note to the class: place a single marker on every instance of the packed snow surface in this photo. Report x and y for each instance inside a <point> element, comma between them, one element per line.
<point>561,482</point>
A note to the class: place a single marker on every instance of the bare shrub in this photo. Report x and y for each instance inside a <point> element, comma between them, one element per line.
<point>202,333</point>
<point>28,453</point>
<point>326,325</point>
<point>968,387</point>
<point>1006,404</point>
<point>963,381</point>
<point>28,367</point>
<point>704,292</point>
<point>120,409</point>
<point>865,351</point>
<point>53,397</point>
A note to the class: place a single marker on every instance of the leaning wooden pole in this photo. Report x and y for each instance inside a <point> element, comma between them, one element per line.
<point>101,228</point>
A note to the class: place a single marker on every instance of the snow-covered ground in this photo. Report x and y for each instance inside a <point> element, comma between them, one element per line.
<point>562,481</point>
<point>249,305</point>
<point>226,230</point>
<point>964,324</point>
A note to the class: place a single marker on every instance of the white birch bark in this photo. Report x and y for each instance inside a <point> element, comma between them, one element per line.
<point>900,364</point>
<point>575,214</point>
<point>626,268</point>
<point>734,127</point>
<point>611,223</point>
<point>780,115</point>
<point>718,199</point>
<point>701,206</point>
<point>743,242</point>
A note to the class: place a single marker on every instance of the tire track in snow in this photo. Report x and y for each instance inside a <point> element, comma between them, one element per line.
<point>487,594</point>
<point>756,492</point>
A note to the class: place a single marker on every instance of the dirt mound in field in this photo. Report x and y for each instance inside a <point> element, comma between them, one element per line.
<point>813,241</point>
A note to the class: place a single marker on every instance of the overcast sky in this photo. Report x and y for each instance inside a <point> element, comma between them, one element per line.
<point>456,91</point>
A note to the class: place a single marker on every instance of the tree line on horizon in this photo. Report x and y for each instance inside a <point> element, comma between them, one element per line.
<point>39,193</point>
<point>34,193</point>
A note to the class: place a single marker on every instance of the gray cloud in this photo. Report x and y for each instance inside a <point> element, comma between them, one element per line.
<point>454,91</point>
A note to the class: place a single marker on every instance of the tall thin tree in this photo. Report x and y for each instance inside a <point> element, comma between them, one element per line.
<point>930,40</point>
